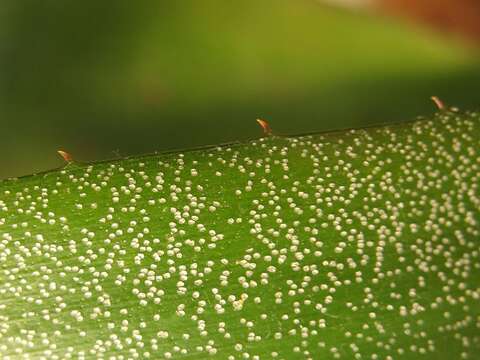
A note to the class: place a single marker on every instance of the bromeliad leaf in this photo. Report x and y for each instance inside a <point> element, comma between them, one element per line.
<point>359,244</point>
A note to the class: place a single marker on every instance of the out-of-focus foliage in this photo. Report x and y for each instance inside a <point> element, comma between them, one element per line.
<point>97,76</point>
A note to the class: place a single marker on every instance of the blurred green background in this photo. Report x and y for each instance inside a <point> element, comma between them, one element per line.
<point>102,78</point>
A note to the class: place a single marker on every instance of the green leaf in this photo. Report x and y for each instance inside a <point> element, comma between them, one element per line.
<point>356,244</point>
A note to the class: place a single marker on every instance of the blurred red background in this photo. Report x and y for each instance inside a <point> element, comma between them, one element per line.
<point>460,17</point>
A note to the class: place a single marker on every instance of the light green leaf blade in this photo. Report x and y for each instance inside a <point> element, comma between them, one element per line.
<point>351,244</point>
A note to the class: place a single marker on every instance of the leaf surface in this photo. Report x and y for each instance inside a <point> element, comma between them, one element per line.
<point>356,244</point>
